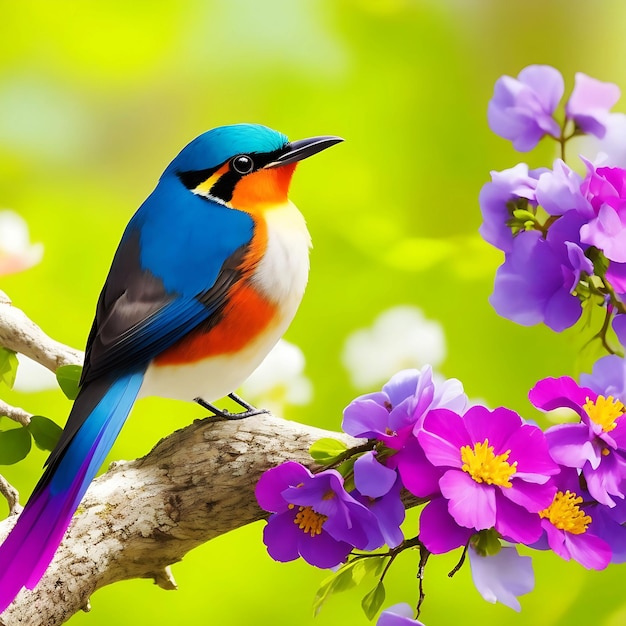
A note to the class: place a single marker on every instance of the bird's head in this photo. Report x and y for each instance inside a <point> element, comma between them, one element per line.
<point>245,166</point>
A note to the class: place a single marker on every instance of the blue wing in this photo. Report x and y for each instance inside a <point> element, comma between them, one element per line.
<point>170,273</point>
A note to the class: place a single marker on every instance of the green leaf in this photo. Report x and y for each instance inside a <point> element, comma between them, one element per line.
<point>373,600</point>
<point>324,592</point>
<point>68,377</point>
<point>8,367</point>
<point>14,445</point>
<point>45,432</point>
<point>345,578</point>
<point>346,469</point>
<point>374,565</point>
<point>326,450</point>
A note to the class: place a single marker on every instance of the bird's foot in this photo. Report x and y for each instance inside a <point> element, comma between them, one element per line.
<point>248,409</point>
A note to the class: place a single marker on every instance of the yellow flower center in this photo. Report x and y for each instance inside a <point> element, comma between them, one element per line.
<point>309,520</point>
<point>484,466</point>
<point>604,411</point>
<point>566,514</point>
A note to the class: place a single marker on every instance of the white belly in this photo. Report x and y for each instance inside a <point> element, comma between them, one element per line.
<point>212,378</point>
<point>281,276</point>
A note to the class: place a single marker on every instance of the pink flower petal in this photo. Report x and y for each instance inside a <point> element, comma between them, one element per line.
<point>471,504</point>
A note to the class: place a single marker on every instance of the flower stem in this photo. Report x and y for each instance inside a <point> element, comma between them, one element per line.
<point>424,554</point>
<point>459,565</point>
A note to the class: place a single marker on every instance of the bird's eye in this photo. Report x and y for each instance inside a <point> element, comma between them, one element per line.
<point>242,164</point>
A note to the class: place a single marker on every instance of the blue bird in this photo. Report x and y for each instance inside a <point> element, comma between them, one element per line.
<point>207,277</point>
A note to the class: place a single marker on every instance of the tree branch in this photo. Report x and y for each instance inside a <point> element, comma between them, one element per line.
<point>11,495</point>
<point>20,334</point>
<point>15,413</point>
<point>141,516</point>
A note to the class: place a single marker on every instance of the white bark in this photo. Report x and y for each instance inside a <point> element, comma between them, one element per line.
<point>20,334</point>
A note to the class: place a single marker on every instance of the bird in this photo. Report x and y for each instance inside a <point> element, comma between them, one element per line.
<point>207,277</point>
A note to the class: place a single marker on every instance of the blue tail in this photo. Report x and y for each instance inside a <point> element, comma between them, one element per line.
<point>94,423</point>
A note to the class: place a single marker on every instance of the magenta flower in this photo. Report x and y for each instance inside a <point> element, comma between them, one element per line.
<point>507,191</point>
<point>521,109</point>
<point>390,415</point>
<point>605,188</point>
<point>398,615</point>
<point>567,525</point>
<point>536,281</point>
<point>496,469</point>
<point>439,531</point>
<point>313,516</point>
<point>502,577</point>
<point>418,474</point>
<point>616,276</point>
<point>590,103</point>
<point>596,445</point>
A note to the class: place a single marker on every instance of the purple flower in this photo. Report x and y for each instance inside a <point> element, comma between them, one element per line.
<point>372,478</point>
<point>611,149</point>
<point>605,188</point>
<point>502,577</point>
<point>608,524</point>
<point>536,280</point>
<point>567,526</point>
<point>558,191</point>
<point>608,376</point>
<point>590,103</point>
<point>398,615</point>
<point>389,512</point>
<point>596,445</point>
<point>619,326</point>
<point>508,190</point>
<point>313,516</point>
<point>390,415</point>
<point>496,469</point>
<point>521,109</point>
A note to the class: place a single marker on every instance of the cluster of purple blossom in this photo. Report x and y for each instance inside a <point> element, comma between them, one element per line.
<point>563,234</point>
<point>488,480</point>
<point>485,477</point>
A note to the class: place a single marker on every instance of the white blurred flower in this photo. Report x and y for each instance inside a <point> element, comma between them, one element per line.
<point>279,380</point>
<point>32,376</point>
<point>611,149</point>
<point>16,251</point>
<point>400,338</point>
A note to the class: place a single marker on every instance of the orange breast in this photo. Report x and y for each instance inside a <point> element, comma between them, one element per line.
<point>246,316</point>
<point>257,191</point>
<point>247,313</point>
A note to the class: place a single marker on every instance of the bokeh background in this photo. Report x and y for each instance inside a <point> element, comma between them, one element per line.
<point>96,98</point>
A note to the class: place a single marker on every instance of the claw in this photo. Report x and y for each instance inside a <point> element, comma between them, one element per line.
<point>248,411</point>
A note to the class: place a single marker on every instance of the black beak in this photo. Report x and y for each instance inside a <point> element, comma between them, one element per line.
<point>298,150</point>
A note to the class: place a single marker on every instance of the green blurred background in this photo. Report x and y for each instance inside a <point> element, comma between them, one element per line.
<point>97,97</point>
